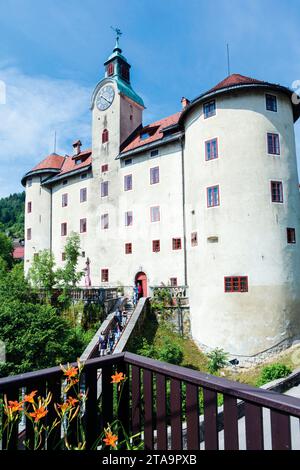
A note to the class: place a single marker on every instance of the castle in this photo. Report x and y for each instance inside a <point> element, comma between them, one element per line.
<point>206,198</point>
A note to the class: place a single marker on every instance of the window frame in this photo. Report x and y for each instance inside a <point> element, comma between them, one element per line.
<point>110,69</point>
<point>194,239</point>
<point>175,245</point>
<point>291,240</point>
<point>207,196</point>
<point>64,200</point>
<point>154,248</point>
<point>215,139</point>
<point>274,146</point>
<point>128,248</point>
<point>152,213</point>
<point>127,218</point>
<point>210,114</point>
<point>280,193</point>
<point>103,185</point>
<point>64,229</point>
<point>83,225</point>
<point>152,173</point>
<point>29,207</point>
<point>83,191</point>
<point>104,168</point>
<point>104,275</point>
<point>104,220</point>
<point>105,136</point>
<point>128,178</point>
<point>268,95</point>
<point>239,284</point>
<point>29,233</point>
<point>173,282</point>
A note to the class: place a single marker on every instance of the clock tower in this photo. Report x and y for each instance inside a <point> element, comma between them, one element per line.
<point>116,109</point>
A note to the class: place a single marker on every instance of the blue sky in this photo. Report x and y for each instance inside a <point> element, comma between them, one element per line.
<point>52,54</point>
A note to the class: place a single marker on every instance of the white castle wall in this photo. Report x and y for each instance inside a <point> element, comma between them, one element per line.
<point>251,229</point>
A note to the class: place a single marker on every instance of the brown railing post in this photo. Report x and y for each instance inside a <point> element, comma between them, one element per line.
<point>40,386</point>
<point>175,407</point>
<point>11,443</point>
<point>210,401</point>
<point>192,417</point>
<point>161,412</point>
<point>107,412</point>
<point>123,400</point>
<point>281,430</point>
<point>148,409</point>
<point>136,399</point>
<point>254,427</point>
<point>231,435</point>
<point>54,386</point>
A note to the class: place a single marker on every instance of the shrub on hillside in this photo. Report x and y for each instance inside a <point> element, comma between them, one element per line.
<point>273,372</point>
<point>170,352</point>
<point>217,359</point>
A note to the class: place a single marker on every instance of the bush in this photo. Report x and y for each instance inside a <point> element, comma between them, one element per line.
<point>273,372</point>
<point>146,349</point>
<point>170,352</point>
<point>217,359</point>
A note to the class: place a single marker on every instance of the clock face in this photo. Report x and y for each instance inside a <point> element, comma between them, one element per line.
<point>105,97</point>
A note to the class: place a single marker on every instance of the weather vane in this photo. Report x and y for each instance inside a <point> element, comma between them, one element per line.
<point>117,31</point>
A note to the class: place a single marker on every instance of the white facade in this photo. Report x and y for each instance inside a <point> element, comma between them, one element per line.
<point>245,235</point>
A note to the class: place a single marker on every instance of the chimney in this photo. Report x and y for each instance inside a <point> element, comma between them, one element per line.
<point>184,102</point>
<point>77,147</point>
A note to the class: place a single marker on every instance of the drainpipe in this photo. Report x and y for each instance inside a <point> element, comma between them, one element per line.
<point>183,211</point>
<point>51,219</point>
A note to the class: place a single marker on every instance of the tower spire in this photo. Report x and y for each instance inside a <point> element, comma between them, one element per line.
<point>118,33</point>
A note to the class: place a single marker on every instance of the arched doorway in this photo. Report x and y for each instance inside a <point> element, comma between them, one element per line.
<point>141,279</point>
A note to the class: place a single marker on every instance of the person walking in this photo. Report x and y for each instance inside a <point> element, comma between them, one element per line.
<point>140,290</point>
<point>111,341</point>
<point>135,295</point>
<point>102,343</point>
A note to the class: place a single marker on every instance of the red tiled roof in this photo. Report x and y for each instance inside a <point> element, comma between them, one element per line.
<point>234,80</point>
<point>70,162</point>
<point>155,131</point>
<point>18,252</point>
<point>52,161</point>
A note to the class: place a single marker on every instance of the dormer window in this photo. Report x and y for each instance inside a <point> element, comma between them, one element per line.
<point>110,70</point>
<point>104,136</point>
<point>144,135</point>
<point>125,72</point>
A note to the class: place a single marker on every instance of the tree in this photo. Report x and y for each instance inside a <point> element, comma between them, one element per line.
<point>6,250</point>
<point>42,273</point>
<point>217,360</point>
<point>12,215</point>
<point>35,335</point>
<point>68,276</point>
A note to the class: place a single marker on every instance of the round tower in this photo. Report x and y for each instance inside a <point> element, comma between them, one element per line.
<point>38,207</point>
<point>243,216</point>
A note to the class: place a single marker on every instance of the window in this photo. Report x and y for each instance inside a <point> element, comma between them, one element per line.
<point>104,275</point>
<point>110,69</point>
<point>276,191</point>
<point>29,207</point>
<point>63,256</point>
<point>83,254</point>
<point>125,72</point>
<point>29,182</point>
<point>127,182</point>
<point>128,218</point>
<point>83,226</point>
<point>291,235</point>
<point>63,229</point>
<point>236,284</point>
<point>176,243</point>
<point>211,149</point>
<point>78,161</point>
<point>155,214</point>
<point>271,103</point>
<point>144,135</point>
<point>65,182</point>
<point>104,168</point>
<point>213,198</point>
<point>83,194</point>
<point>104,221</point>
<point>29,234</point>
<point>173,281</point>
<point>104,189</point>
<point>104,136</point>
<point>273,144</point>
<point>64,200</point>
<point>194,239</point>
<point>209,109</point>
<point>128,248</point>
<point>155,246</point>
<point>154,153</point>
<point>128,161</point>
<point>154,175</point>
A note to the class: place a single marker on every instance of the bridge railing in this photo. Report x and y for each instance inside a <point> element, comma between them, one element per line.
<point>165,405</point>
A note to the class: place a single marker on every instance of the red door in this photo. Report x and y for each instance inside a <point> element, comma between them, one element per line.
<point>141,278</point>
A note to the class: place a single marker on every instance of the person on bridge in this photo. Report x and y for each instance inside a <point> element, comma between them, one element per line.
<point>111,341</point>
<point>102,343</point>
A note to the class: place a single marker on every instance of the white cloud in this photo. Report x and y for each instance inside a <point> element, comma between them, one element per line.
<point>35,108</point>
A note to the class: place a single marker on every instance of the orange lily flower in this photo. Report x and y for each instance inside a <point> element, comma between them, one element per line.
<point>30,398</point>
<point>118,377</point>
<point>39,413</point>
<point>72,401</point>
<point>71,372</point>
<point>15,406</point>
<point>110,439</point>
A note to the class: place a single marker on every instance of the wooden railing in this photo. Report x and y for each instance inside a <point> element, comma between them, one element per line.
<point>166,404</point>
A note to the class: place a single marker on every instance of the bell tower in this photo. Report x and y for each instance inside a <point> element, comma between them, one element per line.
<point>116,108</point>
